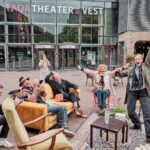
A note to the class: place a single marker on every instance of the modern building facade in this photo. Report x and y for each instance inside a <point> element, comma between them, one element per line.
<point>134,28</point>
<point>68,32</point>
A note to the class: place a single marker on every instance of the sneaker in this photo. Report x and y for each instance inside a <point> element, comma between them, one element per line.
<point>68,133</point>
<point>5,143</point>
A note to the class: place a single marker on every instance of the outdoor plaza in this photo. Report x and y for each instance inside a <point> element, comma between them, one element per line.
<point>81,126</point>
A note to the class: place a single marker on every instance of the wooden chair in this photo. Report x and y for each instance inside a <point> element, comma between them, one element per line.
<point>50,140</point>
<point>88,76</point>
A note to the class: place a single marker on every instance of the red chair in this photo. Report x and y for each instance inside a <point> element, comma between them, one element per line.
<point>95,101</point>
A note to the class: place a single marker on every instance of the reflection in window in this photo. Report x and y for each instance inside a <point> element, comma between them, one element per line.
<point>19,34</point>
<point>1,11</point>
<point>19,57</point>
<point>2,57</point>
<point>67,34</point>
<point>41,11</point>
<point>2,33</point>
<point>18,11</point>
<point>69,11</point>
<point>91,35</point>
<point>44,33</point>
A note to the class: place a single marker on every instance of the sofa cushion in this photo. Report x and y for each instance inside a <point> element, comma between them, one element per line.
<point>48,91</point>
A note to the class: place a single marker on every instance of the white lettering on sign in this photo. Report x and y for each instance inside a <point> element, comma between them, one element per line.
<point>23,8</point>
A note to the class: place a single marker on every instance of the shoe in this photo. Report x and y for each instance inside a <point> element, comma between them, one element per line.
<point>135,127</point>
<point>148,139</point>
<point>6,144</point>
<point>80,114</point>
<point>68,133</point>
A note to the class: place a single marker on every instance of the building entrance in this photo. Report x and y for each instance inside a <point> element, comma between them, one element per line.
<point>48,51</point>
<point>142,47</point>
<point>67,58</point>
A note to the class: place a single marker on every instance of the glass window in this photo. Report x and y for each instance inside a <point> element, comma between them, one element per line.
<point>68,11</point>
<point>89,56</point>
<point>18,11</point>
<point>19,57</point>
<point>44,33</point>
<point>43,11</point>
<point>2,57</point>
<point>1,11</point>
<point>92,12</point>
<point>19,34</point>
<point>92,35</point>
<point>67,34</point>
<point>2,34</point>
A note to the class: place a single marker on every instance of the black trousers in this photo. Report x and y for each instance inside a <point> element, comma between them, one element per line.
<point>72,98</point>
<point>3,123</point>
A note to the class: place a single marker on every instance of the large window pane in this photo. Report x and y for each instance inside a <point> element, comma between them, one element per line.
<point>18,11</point>
<point>44,11</point>
<point>92,12</point>
<point>1,11</point>
<point>19,57</point>
<point>19,34</point>
<point>2,34</point>
<point>92,35</point>
<point>68,11</point>
<point>67,34</point>
<point>44,33</point>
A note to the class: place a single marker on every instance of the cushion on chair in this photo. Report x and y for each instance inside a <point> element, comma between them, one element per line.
<point>16,127</point>
<point>61,142</point>
<point>48,91</point>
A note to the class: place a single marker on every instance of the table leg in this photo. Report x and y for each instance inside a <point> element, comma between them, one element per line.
<point>106,135</point>
<point>116,136</point>
<point>127,133</point>
<point>100,132</point>
<point>123,130</point>
<point>91,136</point>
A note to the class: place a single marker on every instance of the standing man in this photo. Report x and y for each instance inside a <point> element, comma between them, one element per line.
<point>5,129</point>
<point>138,88</point>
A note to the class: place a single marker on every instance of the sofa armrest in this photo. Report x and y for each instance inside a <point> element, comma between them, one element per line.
<point>29,111</point>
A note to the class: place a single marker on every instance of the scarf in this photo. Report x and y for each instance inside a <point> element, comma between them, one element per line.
<point>137,82</point>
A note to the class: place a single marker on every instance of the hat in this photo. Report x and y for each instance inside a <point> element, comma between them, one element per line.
<point>21,80</point>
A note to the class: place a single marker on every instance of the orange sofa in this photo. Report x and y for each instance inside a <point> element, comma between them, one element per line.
<point>28,111</point>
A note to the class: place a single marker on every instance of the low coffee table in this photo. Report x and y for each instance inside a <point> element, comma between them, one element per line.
<point>114,126</point>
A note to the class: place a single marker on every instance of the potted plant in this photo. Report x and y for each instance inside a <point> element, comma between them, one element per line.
<point>130,59</point>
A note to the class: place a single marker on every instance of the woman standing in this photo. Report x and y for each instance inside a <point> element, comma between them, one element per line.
<point>44,66</point>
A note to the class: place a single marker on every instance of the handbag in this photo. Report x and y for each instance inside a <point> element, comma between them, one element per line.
<point>59,97</point>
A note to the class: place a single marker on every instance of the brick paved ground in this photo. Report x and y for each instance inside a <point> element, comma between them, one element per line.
<point>10,81</point>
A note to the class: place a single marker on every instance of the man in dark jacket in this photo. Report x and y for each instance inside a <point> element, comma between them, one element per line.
<point>60,86</point>
<point>138,88</point>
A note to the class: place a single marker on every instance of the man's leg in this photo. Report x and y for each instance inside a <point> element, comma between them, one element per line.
<point>145,104</point>
<point>59,111</point>
<point>105,94</point>
<point>131,102</point>
<point>99,97</point>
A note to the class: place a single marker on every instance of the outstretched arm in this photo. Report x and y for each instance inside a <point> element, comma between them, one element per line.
<point>147,60</point>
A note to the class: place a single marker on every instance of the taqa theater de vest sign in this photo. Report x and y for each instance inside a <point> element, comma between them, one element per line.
<point>47,9</point>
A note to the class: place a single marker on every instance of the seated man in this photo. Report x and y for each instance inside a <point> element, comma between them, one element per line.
<point>60,86</point>
<point>5,129</point>
<point>34,95</point>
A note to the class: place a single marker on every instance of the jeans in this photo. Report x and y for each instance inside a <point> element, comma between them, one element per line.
<point>102,94</point>
<point>142,96</point>
<point>3,122</point>
<point>61,113</point>
<point>72,97</point>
